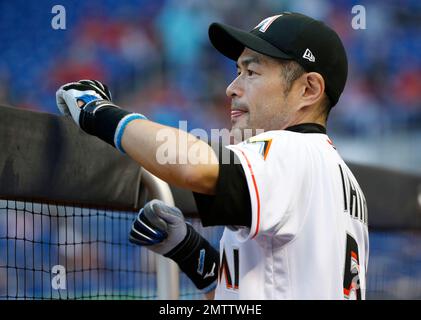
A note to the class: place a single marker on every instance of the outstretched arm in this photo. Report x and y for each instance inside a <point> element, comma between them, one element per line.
<point>89,104</point>
<point>141,142</point>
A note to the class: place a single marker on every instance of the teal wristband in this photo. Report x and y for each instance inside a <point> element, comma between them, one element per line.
<point>122,126</point>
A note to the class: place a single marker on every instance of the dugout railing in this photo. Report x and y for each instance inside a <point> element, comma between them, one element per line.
<point>52,177</point>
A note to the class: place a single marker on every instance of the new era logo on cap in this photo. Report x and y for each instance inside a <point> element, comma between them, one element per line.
<point>309,55</point>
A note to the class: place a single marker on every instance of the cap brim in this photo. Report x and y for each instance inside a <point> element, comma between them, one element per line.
<point>231,42</point>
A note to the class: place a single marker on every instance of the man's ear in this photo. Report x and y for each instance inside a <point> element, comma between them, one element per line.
<point>313,88</point>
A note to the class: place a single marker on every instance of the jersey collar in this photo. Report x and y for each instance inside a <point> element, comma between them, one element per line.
<point>307,128</point>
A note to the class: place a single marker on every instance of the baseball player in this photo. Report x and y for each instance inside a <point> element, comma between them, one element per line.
<point>295,216</point>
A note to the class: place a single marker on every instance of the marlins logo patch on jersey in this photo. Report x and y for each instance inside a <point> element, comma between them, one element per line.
<point>261,146</point>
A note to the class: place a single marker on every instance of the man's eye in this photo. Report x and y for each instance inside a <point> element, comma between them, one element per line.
<point>250,73</point>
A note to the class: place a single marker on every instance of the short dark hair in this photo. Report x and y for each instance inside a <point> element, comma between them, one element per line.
<point>291,71</point>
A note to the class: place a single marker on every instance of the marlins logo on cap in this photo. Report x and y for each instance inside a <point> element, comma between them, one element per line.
<point>265,23</point>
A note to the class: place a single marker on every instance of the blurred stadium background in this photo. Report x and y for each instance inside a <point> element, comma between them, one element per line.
<point>156,57</point>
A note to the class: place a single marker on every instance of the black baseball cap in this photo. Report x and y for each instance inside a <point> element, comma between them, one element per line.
<point>290,36</point>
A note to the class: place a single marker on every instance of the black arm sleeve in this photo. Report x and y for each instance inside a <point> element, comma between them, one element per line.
<point>231,204</point>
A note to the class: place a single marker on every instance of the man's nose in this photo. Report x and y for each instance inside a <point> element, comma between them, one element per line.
<point>234,89</point>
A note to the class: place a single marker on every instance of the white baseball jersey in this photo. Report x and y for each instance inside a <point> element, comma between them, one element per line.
<point>309,235</point>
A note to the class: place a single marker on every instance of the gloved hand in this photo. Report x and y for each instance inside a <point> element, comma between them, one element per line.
<point>162,229</point>
<point>97,115</point>
<point>68,95</point>
<point>158,227</point>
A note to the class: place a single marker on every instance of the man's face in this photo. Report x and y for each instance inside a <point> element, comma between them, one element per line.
<point>258,99</point>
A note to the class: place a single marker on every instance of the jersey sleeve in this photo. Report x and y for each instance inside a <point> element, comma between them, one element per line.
<point>273,168</point>
<point>230,206</point>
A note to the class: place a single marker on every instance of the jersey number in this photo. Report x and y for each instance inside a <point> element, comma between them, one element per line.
<point>352,269</point>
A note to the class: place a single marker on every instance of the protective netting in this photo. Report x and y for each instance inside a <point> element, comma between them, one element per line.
<point>55,252</point>
<point>49,251</point>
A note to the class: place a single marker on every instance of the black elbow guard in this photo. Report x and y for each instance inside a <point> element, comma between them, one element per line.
<point>197,259</point>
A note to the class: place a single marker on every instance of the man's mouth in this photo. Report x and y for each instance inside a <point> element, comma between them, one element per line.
<point>235,113</point>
